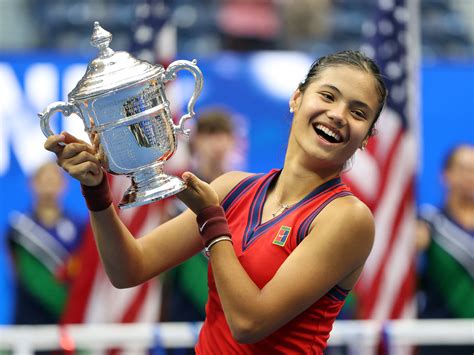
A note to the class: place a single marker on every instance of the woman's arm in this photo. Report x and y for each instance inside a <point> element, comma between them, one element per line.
<point>127,261</point>
<point>332,253</point>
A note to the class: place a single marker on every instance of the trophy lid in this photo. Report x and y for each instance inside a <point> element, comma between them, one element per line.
<point>110,70</point>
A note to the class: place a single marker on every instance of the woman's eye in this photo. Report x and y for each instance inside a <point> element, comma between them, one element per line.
<point>359,114</point>
<point>327,96</point>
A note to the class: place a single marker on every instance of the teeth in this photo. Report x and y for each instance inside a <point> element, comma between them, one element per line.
<point>329,132</point>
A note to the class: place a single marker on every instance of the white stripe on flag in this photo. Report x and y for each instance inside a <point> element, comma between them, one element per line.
<point>151,307</point>
<point>365,175</point>
<point>396,268</point>
<point>107,303</point>
<point>399,177</point>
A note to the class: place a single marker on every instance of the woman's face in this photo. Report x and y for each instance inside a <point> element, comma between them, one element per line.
<point>48,183</point>
<point>459,177</point>
<point>333,116</point>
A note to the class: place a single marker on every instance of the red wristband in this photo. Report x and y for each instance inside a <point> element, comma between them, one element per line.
<point>97,197</point>
<point>212,224</point>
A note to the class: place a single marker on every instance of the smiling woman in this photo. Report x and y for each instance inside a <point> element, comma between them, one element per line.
<point>341,112</point>
<point>301,222</point>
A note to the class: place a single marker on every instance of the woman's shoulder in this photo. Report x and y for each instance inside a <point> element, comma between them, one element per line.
<point>351,206</point>
<point>226,182</point>
<point>348,213</point>
<point>345,227</point>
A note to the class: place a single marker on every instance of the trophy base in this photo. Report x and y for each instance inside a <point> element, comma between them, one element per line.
<point>146,189</point>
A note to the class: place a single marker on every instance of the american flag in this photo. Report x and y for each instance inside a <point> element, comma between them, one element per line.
<point>153,37</point>
<point>93,299</point>
<point>384,175</point>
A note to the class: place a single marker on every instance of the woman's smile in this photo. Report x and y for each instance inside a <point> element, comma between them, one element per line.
<point>328,133</point>
<point>339,112</point>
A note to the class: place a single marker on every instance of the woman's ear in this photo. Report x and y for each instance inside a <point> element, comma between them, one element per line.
<point>364,143</point>
<point>294,100</point>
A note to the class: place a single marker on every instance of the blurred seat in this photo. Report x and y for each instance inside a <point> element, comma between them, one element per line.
<point>205,27</point>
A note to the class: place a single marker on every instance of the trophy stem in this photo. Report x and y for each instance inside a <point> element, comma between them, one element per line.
<point>150,184</point>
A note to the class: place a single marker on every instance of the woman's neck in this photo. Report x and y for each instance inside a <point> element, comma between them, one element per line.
<point>296,182</point>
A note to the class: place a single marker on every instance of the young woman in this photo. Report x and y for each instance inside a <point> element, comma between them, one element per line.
<point>285,247</point>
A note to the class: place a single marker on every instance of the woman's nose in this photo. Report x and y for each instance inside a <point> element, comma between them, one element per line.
<point>337,114</point>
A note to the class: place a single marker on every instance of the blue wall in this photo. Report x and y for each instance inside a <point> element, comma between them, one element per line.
<point>448,118</point>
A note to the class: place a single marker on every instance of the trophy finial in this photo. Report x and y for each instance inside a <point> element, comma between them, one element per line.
<point>101,39</point>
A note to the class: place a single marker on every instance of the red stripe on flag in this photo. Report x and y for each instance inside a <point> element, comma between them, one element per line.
<point>139,218</point>
<point>406,291</point>
<point>376,284</point>
<point>386,166</point>
<point>407,288</point>
<point>132,312</point>
<point>80,291</point>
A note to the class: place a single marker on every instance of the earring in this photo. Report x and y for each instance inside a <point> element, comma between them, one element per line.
<point>291,109</point>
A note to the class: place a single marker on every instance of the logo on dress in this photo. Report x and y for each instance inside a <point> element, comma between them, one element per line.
<point>282,236</point>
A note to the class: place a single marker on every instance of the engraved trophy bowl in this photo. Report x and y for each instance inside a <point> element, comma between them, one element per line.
<point>122,100</point>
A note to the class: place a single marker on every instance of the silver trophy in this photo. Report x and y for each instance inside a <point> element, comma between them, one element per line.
<point>122,100</point>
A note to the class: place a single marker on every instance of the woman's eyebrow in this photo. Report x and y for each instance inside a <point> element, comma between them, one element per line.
<point>332,87</point>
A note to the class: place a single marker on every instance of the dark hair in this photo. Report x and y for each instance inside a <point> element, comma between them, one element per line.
<point>215,121</point>
<point>351,58</point>
<point>451,155</point>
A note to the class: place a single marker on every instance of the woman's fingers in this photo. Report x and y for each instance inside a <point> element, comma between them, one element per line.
<point>191,180</point>
<point>73,149</point>
<point>55,143</point>
<point>81,170</point>
<point>76,157</point>
<point>95,140</point>
<point>196,186</point>
<point>88,173</point>
<point>58,142</point>
<point>81,163</point>
<point>198,194</point>
<point>69,138</point>
<point>80,158</point>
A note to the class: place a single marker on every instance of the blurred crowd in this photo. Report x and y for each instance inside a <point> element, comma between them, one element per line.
<point>209,26</point>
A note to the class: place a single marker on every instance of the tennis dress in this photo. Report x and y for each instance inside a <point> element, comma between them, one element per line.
<point>261,249</point>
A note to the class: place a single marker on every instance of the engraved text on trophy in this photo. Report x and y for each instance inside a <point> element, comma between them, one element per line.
<point>154,130</point>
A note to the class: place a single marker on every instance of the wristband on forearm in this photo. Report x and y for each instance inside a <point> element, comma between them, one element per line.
<point>212,224</point>
<point>97,197</point>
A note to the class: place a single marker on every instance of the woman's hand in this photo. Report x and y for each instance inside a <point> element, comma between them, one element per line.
<point>199,194</point>
<point>77,157</point>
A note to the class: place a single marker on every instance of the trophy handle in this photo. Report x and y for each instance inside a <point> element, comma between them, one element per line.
<point>170,74</point>
<point>51,109</point>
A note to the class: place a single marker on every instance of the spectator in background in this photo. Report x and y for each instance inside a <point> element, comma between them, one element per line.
<point>247,25</point>
<point>212,144</point>
<point>445,241</point>
<point>185,288</point>
<point>42,243</point>
<point>305,22</point>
